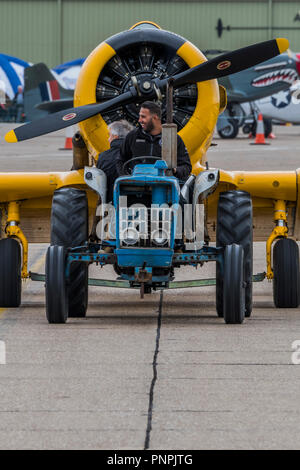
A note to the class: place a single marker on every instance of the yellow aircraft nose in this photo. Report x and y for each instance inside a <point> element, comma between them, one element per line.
<point>283,44</point>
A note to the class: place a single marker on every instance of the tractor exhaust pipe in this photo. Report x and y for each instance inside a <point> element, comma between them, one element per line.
<point>80,152</point>
<point>169,132</point>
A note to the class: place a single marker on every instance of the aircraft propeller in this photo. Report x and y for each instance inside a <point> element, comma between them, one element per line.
<point>225,64</point>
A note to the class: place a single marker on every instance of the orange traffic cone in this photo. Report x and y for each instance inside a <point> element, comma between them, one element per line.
<point>68,139</point>
<point>260,132</point>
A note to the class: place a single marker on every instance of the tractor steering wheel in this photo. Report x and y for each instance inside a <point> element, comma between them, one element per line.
<point>130,164</point>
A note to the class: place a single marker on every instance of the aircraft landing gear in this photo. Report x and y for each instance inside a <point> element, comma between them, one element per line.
<point>230,131</point>
<point>268,127</point>
<point>285,270</point>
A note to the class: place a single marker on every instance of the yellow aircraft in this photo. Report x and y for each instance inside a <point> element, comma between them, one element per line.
<point>122,72</point>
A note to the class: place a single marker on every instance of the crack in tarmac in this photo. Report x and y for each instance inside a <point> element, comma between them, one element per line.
<point>152,386</point>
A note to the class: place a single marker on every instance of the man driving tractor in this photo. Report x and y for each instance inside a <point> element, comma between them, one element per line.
<point>146,141</point>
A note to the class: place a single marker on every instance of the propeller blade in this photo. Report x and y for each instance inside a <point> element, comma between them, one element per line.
<point>55,105</point>
<point>220,66</point>
<point>232,62</point>
<point>66,118</point>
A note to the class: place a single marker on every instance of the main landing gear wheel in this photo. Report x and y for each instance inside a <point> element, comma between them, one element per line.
<point>10,273</point>
<point>286,282</point>
<point>233,285</point>
<point>234,225</point>
<point>69,228</point>
<point>56,287</point>
<point>230,131</point>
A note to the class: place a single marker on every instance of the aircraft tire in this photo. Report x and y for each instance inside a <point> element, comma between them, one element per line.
<point>231,131</point>
<point>268,127</point>
<point>10,273</point>
<point>286,282</point>
<point>234,225</point>
<point>56,286</point>
<point>69,228</point>
<point>233,284</point>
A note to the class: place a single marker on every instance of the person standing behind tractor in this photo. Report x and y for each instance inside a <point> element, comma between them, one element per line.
<point>107,160</point>
<point>146,141</point>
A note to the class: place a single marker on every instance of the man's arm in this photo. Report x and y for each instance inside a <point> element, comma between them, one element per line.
<point>125,154</point>
<point>184,166</point>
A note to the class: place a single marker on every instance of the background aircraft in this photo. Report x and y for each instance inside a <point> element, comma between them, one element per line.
<point>43,93</point>
<point>270,77</point>
<point>39,85</point>
<point>283,106</point>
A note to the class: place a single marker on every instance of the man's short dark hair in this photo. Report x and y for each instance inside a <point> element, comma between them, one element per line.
<point>154,108</point>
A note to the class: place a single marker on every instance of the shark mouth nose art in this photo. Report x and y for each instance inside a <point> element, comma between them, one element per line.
<point>285,75</point>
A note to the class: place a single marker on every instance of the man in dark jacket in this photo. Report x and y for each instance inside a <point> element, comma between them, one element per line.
<point>107,160</point>
<point>146,141</point>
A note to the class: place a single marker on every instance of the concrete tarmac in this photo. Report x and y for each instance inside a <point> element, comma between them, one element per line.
<point>160,373</point>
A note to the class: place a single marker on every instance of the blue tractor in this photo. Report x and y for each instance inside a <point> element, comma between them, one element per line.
<point>155,226</point>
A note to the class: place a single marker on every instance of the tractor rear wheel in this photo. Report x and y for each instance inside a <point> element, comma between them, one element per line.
<point>234,225</point>
<point>286,282</point>
<point>233,284</point>
<point>69,228</point>
<point>10,273</point>
<point>56,286</point>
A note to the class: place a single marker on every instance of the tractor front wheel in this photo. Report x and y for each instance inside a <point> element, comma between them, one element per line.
<point>56,286</point>
<point>286,282</point>
<point>10,273</point>
<point>234,225</point>
<point>233,284</point>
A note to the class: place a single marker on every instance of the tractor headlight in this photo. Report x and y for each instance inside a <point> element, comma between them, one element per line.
<point>130,236</point>
<point>160,237</point>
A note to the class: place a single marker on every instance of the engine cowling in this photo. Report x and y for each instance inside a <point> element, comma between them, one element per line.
<point>146,51</point>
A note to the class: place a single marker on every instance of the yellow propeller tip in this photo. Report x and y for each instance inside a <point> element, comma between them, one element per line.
<point>283,44</point>
<point>11,137</point>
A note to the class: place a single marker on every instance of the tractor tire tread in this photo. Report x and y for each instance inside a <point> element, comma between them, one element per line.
<point>69,228</point>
